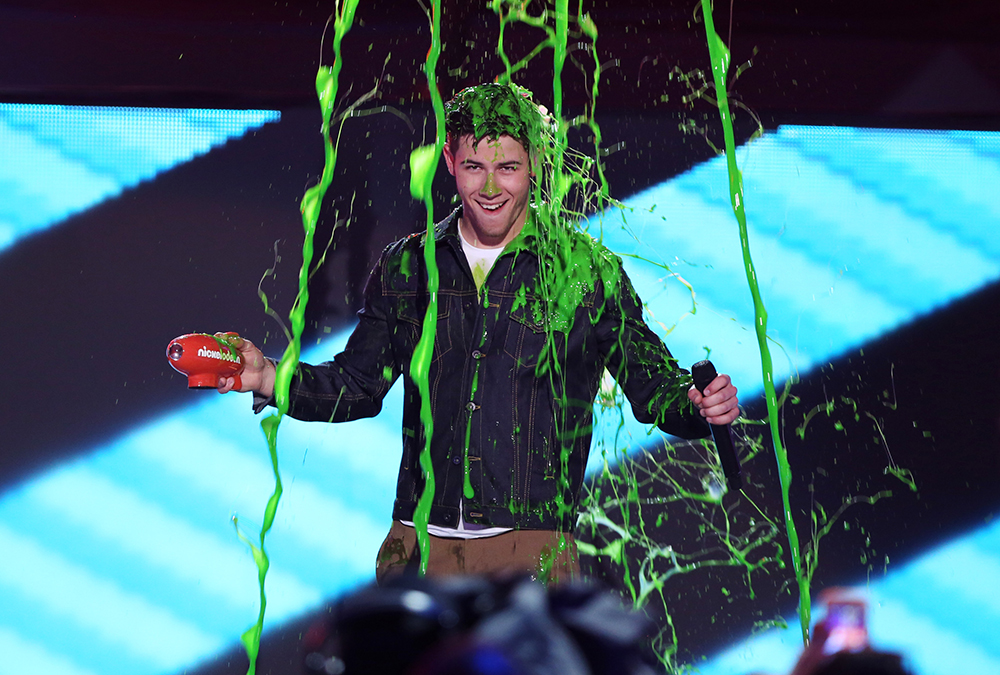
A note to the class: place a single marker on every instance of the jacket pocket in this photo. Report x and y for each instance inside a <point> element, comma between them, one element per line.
<point>527,337</point>
<point>411,314</point>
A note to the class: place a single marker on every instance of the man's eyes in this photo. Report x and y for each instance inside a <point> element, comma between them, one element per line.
<point>507,168</point>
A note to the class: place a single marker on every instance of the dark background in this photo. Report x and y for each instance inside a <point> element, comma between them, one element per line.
<point>95,297</point>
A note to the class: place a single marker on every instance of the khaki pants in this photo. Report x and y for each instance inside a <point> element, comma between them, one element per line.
<point>514,552</point>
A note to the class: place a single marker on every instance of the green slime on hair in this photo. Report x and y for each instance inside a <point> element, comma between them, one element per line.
<point>327,84</point>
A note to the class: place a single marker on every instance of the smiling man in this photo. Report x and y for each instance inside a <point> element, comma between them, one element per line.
<point>531,314</point>
<point>493,178</point>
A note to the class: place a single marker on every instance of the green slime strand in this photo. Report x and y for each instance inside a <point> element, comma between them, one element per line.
<point>327,82</point>
<point>423,162</point>
<point>720,62</point>
<point>568,187</point>
<point>619,508</point>
<point>575,267</point>
<point>559,189</point>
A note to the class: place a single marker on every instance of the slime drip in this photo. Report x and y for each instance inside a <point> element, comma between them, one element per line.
<point>423,162</point>
<point>575,266</point>
<point>327,82</point>
<point>720,63</point>
<point>569,187</point>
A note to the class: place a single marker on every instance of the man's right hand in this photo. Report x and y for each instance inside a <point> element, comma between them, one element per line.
<point>258,372</point>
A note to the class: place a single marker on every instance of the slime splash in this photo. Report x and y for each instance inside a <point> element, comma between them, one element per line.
<point>619,502</point>
<point>569,264</point>
<point>569,186</point>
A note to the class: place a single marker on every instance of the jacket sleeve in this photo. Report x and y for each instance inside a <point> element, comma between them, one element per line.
<point>352,385</point>
<point>648,374</point>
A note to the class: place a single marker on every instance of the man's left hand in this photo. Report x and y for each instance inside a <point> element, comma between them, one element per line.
<point>719,404</point>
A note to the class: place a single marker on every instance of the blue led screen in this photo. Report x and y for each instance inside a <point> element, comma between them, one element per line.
<point>59,160</point>
<point>122,557</point>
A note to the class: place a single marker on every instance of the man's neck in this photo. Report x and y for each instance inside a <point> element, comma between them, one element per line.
<point>476,240</point>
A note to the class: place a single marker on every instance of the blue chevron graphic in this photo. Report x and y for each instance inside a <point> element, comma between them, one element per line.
<point>60,159</point>
<point>124,560</point>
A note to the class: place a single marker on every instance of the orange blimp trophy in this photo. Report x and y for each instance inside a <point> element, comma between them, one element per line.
<point>205,358</point>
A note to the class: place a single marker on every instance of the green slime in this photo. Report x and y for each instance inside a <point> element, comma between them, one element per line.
<point>618,504</point>
<point>327,84</point>
<point>720,64</point>
<point>423,162</point>
<point>751,545</point>
<point>571,186</point>
<point>576,264</point>
<point>569,275</point>
<point>569,265</point>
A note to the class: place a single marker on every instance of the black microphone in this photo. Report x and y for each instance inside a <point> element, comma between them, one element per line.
<point>703,373</point>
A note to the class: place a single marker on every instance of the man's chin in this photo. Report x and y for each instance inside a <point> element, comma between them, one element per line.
<point>488,232</point>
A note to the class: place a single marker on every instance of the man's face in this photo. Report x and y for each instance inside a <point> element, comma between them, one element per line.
<point>493,177</point>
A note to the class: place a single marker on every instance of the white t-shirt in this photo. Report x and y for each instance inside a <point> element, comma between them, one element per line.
<point>480,259</point>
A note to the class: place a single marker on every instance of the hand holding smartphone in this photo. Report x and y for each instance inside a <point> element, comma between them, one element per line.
<point>844,622</point>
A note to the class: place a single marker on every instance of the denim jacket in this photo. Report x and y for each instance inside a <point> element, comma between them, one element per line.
<point>511,424</point>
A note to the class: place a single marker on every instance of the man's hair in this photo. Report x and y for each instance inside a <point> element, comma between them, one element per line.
<point>492,110</point>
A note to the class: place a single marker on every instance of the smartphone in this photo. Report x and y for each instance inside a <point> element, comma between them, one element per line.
<point>845,621</point>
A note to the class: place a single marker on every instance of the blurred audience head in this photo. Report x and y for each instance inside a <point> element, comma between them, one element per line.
<point>475,626</point>
<point>866,662</point>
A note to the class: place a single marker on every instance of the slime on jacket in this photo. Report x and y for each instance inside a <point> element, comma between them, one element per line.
<point>204,359</point>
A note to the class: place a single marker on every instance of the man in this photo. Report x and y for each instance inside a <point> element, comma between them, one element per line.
<point>531,313</point>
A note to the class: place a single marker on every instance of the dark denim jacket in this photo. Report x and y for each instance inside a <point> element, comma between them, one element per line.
<point>519,430</point>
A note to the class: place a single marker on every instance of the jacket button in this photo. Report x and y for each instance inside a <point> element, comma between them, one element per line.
<point>470,406</point>
<point>456,459</point>
<point>447,518</point>
<point>477,354</point>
